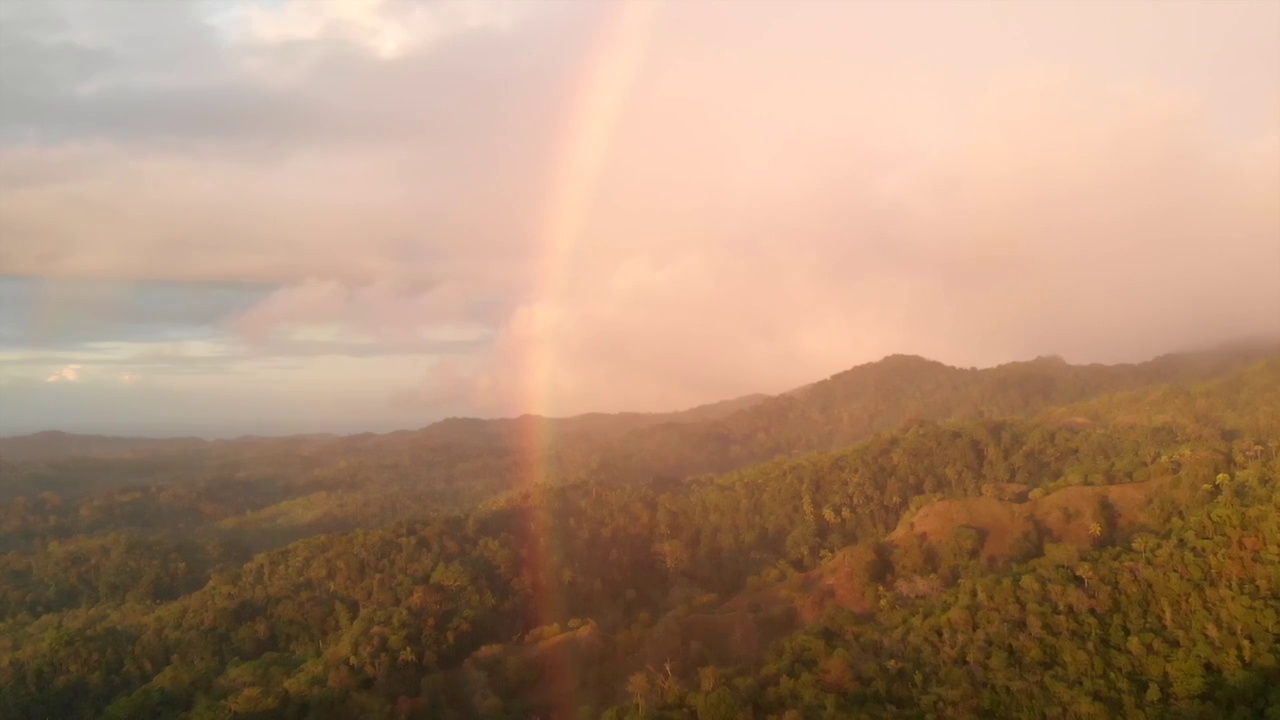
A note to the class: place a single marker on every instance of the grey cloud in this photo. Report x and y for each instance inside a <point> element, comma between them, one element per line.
<point>279,182</point>
<point>39,314</point>
<point>167,79</point>
<point>62,60</point>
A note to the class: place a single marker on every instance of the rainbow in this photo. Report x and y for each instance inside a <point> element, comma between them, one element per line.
<point>609,71</point>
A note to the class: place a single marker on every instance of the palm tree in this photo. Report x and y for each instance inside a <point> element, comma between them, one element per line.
<point>1084,572</point>
<point>640,687</point>
<point>1143,544</point>
<point>708,678</point>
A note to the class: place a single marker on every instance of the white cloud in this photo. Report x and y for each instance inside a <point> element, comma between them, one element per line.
<point>123,363</point>
<point>70,373</point>
<point>387,28</point>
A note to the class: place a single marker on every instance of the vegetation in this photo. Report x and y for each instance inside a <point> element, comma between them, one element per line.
<point>905,540</point>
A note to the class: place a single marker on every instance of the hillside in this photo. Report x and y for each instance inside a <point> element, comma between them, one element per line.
<point>765,591</point>
<point>456,461</point>
<point>884,395</point>
<point>261,493</point>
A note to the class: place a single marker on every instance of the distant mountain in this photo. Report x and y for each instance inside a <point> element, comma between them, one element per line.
<point>55,444</point>
<point>460,461</point>
<point>457,461</point>
<point>898,390</point>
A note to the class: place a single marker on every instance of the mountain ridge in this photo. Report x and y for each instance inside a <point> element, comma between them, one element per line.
<point>1167,366</point>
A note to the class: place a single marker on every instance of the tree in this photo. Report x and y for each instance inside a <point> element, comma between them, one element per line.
<point>720,704</point>
<point>1143,543</point>
<point>640,688</point>
<point>1085,572</point>
<point>964,544</point>
<point>708,678</point>
<point>674,554</point>
<point>837,672</point>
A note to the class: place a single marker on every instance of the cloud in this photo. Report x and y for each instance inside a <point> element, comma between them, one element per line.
<point>389,314</point>
<point>158,360</point>
<point>61,314</point>
<point>244,76</point>
<point>388,29</point>
<point>789,190</point>
<point>70,373</point>
<point>1066,217</point>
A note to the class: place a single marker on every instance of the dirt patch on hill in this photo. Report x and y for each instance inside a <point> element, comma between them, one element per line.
<point>1072,515</point>
<point>1067,514</point>
<point>847,580</point>
<point>1002,523</point>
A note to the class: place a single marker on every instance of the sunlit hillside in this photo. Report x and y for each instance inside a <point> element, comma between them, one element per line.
<point>998,544</point>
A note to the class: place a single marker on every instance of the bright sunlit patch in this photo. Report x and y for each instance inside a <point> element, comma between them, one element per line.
<point>69,374</point>
<point>386,28</point>
<point>324,333</point>
<point>116,362</point>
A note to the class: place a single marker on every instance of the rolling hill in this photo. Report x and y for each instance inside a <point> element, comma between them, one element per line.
<point>901,540</point>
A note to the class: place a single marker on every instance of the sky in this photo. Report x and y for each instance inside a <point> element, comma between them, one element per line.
<point>270,217</point>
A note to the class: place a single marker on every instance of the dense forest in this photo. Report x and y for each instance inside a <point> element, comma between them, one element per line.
<point>901,540</point>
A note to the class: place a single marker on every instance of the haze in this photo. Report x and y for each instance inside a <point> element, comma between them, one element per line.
<point>275,217</point>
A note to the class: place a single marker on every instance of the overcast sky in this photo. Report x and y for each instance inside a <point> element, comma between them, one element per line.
<point>298,215</point>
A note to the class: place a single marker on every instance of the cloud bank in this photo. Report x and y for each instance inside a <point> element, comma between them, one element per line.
<point>788,190</point>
